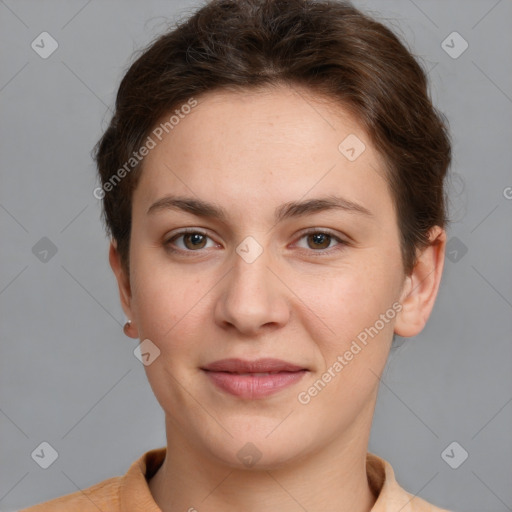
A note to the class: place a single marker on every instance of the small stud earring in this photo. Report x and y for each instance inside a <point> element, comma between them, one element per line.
<point>127,326</point>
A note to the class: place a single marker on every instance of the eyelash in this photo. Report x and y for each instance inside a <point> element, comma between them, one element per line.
<point>321,252</point>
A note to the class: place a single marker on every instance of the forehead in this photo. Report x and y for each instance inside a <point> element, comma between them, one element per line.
<point>277,143</point>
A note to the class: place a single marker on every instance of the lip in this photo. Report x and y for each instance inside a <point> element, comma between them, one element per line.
<point>244,379</point>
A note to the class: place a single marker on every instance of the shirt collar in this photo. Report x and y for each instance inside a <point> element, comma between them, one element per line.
<point>135,495</point>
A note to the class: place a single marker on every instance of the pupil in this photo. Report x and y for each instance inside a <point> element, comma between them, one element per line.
<point>196,238</point>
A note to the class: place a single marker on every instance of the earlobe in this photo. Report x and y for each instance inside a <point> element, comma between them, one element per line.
<point>123,283</point>
<point>421,287</point>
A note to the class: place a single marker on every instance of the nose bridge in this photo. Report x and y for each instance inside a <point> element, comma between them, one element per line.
<point>251,266</point>
<point>252,296</point>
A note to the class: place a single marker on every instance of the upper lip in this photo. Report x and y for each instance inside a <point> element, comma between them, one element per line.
<point>258,366</point>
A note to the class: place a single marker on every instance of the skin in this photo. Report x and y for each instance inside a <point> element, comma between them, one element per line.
<point>301,300</point>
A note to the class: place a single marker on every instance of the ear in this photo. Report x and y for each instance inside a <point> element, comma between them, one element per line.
<point>123,283</point>
<point>421,286</point>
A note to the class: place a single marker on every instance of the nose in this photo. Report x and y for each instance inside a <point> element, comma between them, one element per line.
<point>253,299</point>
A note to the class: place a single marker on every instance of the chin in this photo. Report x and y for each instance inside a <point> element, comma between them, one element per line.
<point>260,443</point>
<point>257,456</point>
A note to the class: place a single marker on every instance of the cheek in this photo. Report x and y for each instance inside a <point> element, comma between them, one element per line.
<point>351,299</point>
<point>168,311</point>
<point>163,294</point>
<point>165,304</point>
<point>351,357</point>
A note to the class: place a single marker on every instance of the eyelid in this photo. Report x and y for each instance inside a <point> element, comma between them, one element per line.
<point>342,242</point>
<point>325,231</point>
<point>185,231</point>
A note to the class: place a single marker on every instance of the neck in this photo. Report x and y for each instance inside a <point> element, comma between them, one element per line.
<point>331,479</point>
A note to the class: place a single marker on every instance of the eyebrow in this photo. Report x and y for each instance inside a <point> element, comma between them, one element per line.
<point>288,210</point>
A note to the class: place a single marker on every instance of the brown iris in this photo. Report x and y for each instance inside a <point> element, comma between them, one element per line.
<point>197,240</point>
<point>320,238</point>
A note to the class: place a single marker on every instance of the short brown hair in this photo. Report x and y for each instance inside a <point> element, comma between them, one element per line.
<point>327,46</point>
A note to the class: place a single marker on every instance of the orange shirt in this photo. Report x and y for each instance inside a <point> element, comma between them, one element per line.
<point>130,493</point>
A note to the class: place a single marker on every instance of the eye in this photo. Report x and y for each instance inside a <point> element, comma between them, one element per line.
<point>320,241</point>
<point>192,241</point>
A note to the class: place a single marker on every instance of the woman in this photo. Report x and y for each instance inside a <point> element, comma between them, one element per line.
<point>272,182</point>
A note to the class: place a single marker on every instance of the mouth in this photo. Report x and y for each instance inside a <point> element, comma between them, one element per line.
<point>253,379</point>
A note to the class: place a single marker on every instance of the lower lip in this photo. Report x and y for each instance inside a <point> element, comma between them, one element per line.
<point>254,386</point>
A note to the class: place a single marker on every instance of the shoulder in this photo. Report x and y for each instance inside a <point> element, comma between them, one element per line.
<point>390,495</point>
<point>127,492</point>
<point>101,496</point>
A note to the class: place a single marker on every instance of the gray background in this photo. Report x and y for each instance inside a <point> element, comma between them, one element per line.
<point>68,375</point>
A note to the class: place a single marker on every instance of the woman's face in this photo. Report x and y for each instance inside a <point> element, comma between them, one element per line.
<point>279,274</point>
